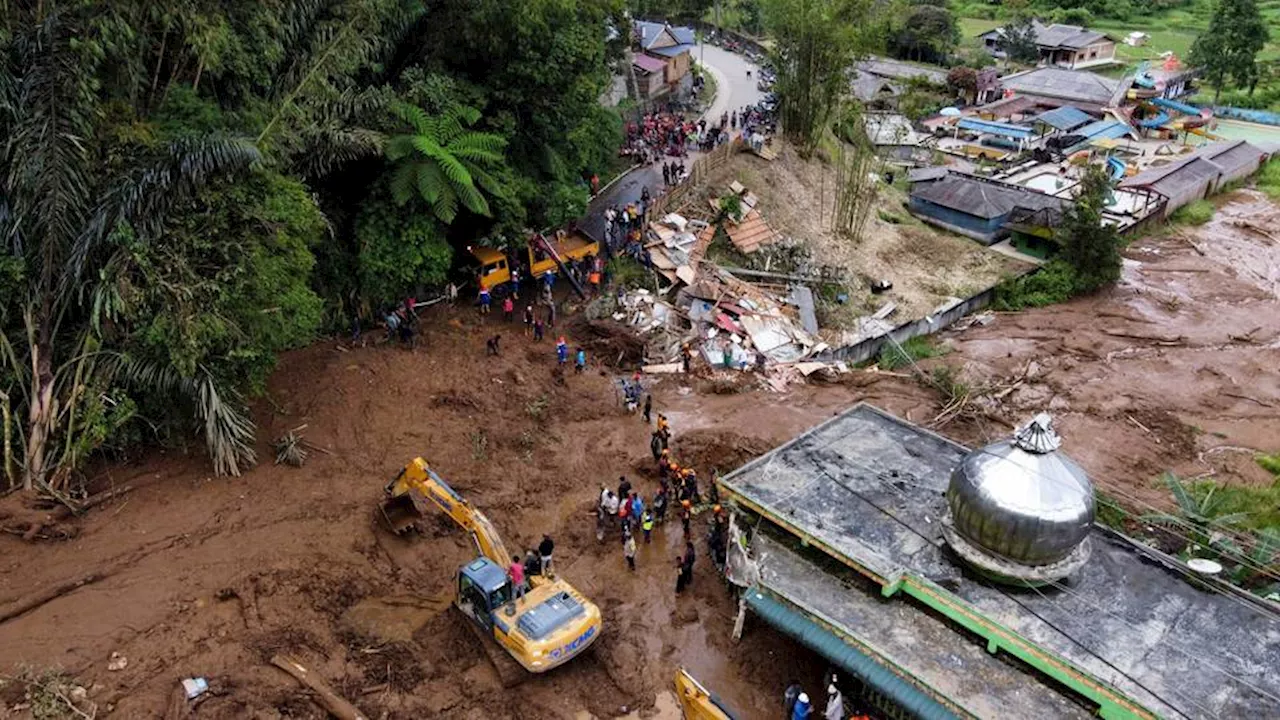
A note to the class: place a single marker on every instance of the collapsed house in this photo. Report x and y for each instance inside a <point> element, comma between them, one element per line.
<point>1199,174</point>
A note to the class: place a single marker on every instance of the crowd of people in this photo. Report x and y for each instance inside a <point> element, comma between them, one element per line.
<point>627,512</point>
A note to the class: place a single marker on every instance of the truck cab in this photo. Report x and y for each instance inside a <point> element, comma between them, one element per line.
<point>483,587</point>
<point>495,268</point>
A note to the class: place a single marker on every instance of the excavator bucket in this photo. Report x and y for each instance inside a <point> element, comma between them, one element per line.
<point>401,513</point>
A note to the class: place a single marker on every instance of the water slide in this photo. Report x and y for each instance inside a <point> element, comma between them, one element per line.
<point>1204,133</point>
<point>1116,167</point>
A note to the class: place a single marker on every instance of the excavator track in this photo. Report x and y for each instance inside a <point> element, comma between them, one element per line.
<point>510,673</point>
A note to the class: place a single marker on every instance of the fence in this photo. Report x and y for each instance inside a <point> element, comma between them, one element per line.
<point>679,195</point>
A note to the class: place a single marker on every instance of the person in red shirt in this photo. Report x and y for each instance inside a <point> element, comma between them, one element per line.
<point>516,572</point>
<point>508,309</point>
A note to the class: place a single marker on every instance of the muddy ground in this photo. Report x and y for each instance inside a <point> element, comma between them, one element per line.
<point>1173,369</point>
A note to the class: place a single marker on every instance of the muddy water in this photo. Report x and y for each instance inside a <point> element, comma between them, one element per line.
<point>395,618</point>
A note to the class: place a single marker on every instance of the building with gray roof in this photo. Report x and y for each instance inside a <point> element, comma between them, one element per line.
<point>1068,46</point>
<point>1057,87</point>
<point>975,207</point>
<point>1199,174</point>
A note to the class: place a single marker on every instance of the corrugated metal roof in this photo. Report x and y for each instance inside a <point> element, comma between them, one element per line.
<point>926,174</point>
<point>649,32</point>
<point>684,35</point>
<point>672,51</point>
<point>1169,180</point>
<point>981,198</point>
<point>1231,156</point>
<point>1064,118</point>
<point>1066,36</point>
<point>1062,83</point>
<point>990,127</point>
<point>648,64</point>
<point>901,70</point>
<point>1104,130</point>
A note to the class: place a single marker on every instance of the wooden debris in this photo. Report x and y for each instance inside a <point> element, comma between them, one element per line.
<point>328,699</point>
<point>32,602</point>
<point>751,233</point>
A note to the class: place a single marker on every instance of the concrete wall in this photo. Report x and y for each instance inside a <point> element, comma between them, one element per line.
<point>928,325</point>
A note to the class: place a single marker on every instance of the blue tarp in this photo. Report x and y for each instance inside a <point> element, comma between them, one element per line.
<point>1018,132</point>
<point>786,618</point>
<point>1104,130</point>
<point>1154,122</point>
<point>1064,118</point>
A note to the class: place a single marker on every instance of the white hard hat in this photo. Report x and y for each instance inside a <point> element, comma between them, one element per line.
<point>831,690</point>
<point>804,698</point>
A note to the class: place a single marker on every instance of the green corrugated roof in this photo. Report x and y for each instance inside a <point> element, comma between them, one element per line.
<point>786,618</point>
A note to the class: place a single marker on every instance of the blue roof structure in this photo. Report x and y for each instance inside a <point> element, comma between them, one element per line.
<point>1017,132</point>
<point>672,51</point>
<point>649,32</point>
<point>1065,118</point>
<point>1105,130</point>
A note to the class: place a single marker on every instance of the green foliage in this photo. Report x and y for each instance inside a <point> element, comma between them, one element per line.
<point>1019,41</point>
<point>1270,463</point>
<point>893,356</point>
<point>626,272</point>
<point>815,42</point>
<point>925,33</point>
<point>1228,48</point>
<point>1194,213</point>
<point>1090,246</point>
<point>444,163</point>
<point>1269,179</point>
<point>1050,285</point>
<point>399,252</point>
<point>731,206</point>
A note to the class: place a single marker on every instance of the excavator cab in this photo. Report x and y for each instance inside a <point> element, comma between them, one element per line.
<point>483,587</point>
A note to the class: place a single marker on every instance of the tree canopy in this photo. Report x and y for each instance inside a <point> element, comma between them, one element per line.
<point>188,190</point>
<point>816,42</point>
<point>1228,50</point>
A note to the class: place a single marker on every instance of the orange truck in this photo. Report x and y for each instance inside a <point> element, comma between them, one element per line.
<point>495,266</point>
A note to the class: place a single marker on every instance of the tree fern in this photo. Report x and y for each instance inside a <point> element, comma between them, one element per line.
<point>444,163</point>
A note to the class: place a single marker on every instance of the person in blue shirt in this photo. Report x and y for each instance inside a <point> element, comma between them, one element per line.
<point>580,361</point>
<point>562,351</point>
<point>637,508</point>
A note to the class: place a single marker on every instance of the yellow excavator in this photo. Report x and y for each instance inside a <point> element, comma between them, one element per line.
<point>698,703</point>
<point>551,624</point>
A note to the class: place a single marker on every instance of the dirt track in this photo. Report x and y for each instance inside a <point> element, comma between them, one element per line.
<point>210,576</point>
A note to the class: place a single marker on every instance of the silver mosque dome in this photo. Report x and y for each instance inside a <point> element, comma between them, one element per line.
<point>1020,509</point>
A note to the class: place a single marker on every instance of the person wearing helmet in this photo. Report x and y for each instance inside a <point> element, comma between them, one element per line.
<point>562,351</point>
<point>686,512</point>
<point>802,710</point>
<point>789,698</point>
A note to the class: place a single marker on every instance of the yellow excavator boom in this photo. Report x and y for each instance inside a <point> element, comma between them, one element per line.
<point>418,483</point>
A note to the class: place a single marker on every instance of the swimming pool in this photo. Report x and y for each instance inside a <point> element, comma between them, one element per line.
<point>1241,130</point>
<point>1048,182</point>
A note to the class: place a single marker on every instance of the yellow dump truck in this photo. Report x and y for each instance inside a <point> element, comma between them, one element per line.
<point>544,255</point>
<point>698,703</point>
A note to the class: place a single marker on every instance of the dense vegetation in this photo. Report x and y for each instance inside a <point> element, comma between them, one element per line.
<point>189,189</point>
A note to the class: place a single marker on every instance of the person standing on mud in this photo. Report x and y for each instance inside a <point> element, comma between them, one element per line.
<point>537,330</point>
<point>485,299</point>
<point>528,320</point>
<point>580,361</point>
<point>646,524</point>
<point>562,351</point>
<point>686,513</point>
<point>508,309</point>
<point>629,551</point>
<point>545,548</point>
<point>789,698</point>
<point>648,408</point>
<point>660,505</point>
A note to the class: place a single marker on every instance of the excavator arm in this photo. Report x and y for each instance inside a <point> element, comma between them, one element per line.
<point>407,497</point>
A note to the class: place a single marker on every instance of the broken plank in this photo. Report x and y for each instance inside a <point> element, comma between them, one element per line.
<point>328,699</point>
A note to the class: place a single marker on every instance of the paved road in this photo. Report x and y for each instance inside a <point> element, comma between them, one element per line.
<point>733,90</point>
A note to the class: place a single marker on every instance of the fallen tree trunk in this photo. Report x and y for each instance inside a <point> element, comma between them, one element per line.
<point>26,605</point>
<point>333,702</point>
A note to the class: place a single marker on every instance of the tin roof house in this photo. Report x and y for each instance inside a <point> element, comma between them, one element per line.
<point>1068,46</point>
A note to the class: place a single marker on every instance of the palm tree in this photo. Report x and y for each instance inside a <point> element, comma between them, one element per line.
<point>61,210</point>
<point>442,161</point>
